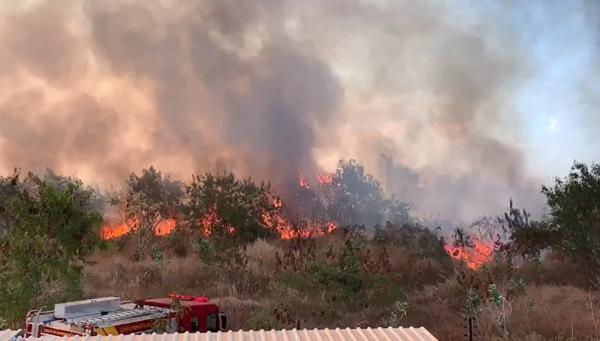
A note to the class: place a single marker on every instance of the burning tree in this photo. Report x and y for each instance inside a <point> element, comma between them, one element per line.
<point>221,205</point>
<point>148,205</point>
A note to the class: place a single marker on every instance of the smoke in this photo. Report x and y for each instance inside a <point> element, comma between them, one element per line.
<point>590,98</point>
<point>271,89</point>
<point>218,85</point>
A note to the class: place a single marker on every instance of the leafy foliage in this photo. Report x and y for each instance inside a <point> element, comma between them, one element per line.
<point>233,204</point>
<point>356,198</point>
<point>50,230</point>
<point>528,238</point>
<point>145,202</point>
<point>575,215</point>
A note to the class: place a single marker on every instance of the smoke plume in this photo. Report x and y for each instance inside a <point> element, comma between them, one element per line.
<point>270,89</point>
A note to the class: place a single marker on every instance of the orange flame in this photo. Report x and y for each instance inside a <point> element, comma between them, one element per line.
<point>481,253</point>
<point>303,183</point>
<point>210,220</point>
<point>275,221</point>
<point>286,231</point>
<point>325,179</point>
<point>165,227</point>
<point>108,232</point>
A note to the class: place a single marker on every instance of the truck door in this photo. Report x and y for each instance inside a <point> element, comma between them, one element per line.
<point>212,322</point>
<point>194,325</point>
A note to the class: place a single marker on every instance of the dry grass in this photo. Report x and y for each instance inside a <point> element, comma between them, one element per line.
<point>238,310</point>
<point>261,258</point>
<point>553,311</point>
<point>112,273</point>
<point>548,311</point>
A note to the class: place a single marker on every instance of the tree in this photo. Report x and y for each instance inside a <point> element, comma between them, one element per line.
<point>221,205</point>
<point>146,201</point>
<point>575,215</point>
<point>50,229</point>
<point>353,197</point>
<point>527,237</point>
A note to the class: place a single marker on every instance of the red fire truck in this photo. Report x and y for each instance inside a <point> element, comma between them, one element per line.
<point>113,316</point>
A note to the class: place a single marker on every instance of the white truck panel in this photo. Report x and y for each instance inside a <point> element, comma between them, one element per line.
<point>86,307</point>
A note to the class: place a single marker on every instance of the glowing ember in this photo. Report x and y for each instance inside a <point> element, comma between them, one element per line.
<point>303,183</point>
<point>210,221</point>
<point>474,257</point>
<point>286,231</point>
<point>109,232</point>
<point>207,223</point>
<point>325,179</point>
<point>165,227</point>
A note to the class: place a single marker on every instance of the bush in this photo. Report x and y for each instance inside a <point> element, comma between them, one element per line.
<point>339,284</point>
<point>51,229</point>
<point>261,320</point>
<point>575,215</point>
<point>205,250</point>
<point>179,241</point>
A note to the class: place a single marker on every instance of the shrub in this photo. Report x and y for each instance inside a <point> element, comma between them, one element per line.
<point>205,250</point>
<point>398,312</point>
<point>575,215</point>
<point>261,320</point>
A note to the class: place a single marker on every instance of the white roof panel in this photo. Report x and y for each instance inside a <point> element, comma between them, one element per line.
<point>6,335</point>
<point>368,334</point>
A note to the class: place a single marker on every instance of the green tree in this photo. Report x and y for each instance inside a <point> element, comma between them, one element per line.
<point>527,237</point>
<point>354,197</point>
<point>51,228</point>
<point>575,215</point>
<point>227,206</point>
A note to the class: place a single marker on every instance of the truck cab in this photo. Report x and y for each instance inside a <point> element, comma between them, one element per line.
<point>196,314</point>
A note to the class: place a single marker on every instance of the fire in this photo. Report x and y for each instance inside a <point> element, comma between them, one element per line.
<point>209,221</point>
<point>316,230</point>
<point>325,179</point>
<point>206,224</point>
<point>163,228</point>
<point>286,231</point>
<point>109,232</point>
<point>474,257</point>
<point>303,183</point>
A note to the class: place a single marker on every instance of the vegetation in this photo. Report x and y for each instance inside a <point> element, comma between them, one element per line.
<point>229,203</point>
<point>50,229</point>
<point>378,267</point>
<point>575,216</point>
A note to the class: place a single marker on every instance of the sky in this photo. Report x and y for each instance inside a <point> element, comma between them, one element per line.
<point>563,50</point>
<point>473,102</point>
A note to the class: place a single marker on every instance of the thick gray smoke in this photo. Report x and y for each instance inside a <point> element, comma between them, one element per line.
<point>270,89</point>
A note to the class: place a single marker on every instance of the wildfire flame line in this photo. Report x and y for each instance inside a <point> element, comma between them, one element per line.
<point>474,257</point>
<point>275,221</point>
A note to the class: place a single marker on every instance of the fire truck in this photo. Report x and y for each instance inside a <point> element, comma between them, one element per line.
<point>113,316</point>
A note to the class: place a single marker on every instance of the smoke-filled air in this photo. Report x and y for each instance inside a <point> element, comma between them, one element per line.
<point>426,94</point>
<point>301,164</point>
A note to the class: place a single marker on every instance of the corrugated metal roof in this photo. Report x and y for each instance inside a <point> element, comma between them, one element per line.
<point>368,334</point>
<point>6,335</point>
